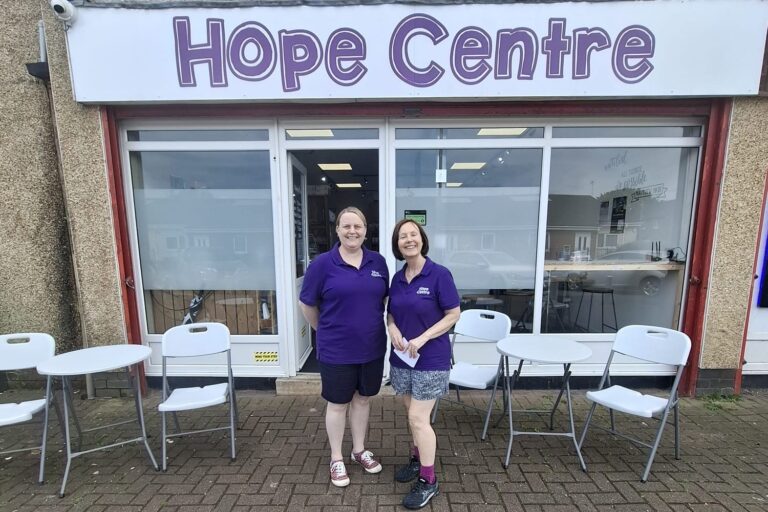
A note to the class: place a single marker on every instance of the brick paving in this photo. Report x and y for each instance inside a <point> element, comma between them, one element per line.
<point>283,454</point>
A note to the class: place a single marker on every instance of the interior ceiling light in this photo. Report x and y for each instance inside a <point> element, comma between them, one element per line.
<point>500,132</point>
<point>349,185</point>
<point>453,184</point>
<point>335,167</point>
<point>309,133</point>
<point>467,166</point>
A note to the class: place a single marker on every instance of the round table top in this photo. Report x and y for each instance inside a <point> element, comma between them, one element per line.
<point>543,348</point>
<point>94,360</point>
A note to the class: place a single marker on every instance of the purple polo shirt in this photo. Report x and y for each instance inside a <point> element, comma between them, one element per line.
<point>418,306</point>
<point>351,328</point>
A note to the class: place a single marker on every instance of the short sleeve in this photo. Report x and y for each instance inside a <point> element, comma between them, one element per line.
<point>447,294</point>
<point>312,287</point>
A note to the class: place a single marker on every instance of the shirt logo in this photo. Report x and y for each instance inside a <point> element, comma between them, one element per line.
<point>423,290</point>
<point>375,273</point>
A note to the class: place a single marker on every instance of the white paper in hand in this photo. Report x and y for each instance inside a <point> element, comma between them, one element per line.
<point>406,356</point>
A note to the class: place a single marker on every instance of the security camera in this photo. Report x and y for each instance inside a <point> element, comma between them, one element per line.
<point>63,10</point>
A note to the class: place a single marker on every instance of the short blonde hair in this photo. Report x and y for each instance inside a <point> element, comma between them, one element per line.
<point>351,209</point>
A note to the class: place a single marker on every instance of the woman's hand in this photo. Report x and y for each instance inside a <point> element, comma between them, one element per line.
<point>396,336</point>
<point>415,344</point>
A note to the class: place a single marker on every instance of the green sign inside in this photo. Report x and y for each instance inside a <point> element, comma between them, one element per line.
<point>419,216</point>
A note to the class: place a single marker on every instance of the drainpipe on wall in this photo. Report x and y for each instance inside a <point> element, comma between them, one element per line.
<point>90,392</point>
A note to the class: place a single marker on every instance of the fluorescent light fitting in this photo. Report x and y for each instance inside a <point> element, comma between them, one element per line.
<point>454,184</point>
<point>309,133</point>
<point>335,167</point>
<point>467,166</point>
<point>349,185</point>
<point>500,132</point>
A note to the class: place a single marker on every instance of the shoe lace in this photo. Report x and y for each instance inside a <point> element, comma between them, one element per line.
<point>366,458</point>
<point>338,469</point>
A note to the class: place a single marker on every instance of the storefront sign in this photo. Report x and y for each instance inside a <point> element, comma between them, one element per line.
<point>398,51</point>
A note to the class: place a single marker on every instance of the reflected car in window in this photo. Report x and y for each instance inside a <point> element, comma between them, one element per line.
<point>488,270</point>
<point>646,281</point>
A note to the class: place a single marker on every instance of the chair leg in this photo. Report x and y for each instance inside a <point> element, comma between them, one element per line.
<point>458,395</point>
<point>232,423</point>
<point>67,388</point>
<point>434,410</point>
<point>499,372</point>
<point>613,421</point>
<point>589,314</point>
<point>165,448</point>
<point>176,422</point>
<point>615,318</point>
<point>237,415</point>
<point>43,444</point>
<point>677,431</point>
<point>656,443</point>
<point>586,424</point>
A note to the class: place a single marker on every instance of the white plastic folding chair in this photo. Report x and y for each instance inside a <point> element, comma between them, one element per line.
<point>647,343</point>
<point>193,340</point>
<point>477,326</point>
<point>24,351</point>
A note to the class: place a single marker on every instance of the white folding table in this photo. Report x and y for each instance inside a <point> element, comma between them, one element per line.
<point>95,360</point>
<point>545,349</point>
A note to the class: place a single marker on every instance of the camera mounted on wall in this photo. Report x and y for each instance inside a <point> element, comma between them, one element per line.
<point>64,11</point>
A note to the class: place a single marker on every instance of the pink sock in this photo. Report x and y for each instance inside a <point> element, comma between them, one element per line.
<point>415,452</point>
<point>428,474</point>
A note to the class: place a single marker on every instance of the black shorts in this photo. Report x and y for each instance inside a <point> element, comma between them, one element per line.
<point>340,381</point>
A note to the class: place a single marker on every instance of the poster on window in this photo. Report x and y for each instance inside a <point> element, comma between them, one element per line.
<point>618,214</point>
<point>603,221</point>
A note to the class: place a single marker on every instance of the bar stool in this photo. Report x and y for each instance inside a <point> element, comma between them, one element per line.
<point>602,292</point>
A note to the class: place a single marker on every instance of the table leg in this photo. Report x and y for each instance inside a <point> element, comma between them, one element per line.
<point>41,476</point>
<point>570,417</point>
<point>140,414</point>
<point>509,388</point>
<point>566,376</point>
<point>67,440</point>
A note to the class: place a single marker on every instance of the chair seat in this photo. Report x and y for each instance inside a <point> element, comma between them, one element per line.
<point>185,399</point>
<point>471,376</point>
<point>629,401</point>
<point>11,414</point>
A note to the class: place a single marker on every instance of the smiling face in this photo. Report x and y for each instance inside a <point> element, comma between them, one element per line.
<point>351,231</point>
<point>409,240</point>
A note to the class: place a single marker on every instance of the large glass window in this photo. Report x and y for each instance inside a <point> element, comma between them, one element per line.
<point>618,224</point>
<point>480,208</point>
<point>205,237</point>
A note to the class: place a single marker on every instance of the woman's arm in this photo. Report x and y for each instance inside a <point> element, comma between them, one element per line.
<point>441,327</point>
<point>311,313</point>
<point>394,333</point>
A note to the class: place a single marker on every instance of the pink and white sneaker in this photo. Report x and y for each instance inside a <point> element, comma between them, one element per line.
<point>339,476</point>
<point>366,460</point>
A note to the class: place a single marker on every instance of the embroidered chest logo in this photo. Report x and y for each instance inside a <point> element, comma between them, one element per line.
<point>423,290</point>
<point>375,273</point>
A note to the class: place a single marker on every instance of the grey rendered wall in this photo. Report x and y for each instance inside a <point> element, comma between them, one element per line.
<point>36,291</point>
<point>86,197</point>
<point>735,242</point>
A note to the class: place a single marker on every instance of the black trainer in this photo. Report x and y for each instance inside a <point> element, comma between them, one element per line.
<point>409,471</point>
<point>420,494</point>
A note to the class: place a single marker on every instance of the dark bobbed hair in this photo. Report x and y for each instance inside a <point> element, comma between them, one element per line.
<point>396,236</point>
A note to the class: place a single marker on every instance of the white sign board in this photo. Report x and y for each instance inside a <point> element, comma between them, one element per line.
<point>395,51</point>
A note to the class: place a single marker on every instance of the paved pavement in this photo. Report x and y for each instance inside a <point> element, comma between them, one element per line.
<point>283,455</point>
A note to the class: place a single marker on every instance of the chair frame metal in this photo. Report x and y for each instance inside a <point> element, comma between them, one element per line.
<point>477,339</point>
<point>672,400</point>
<point>192,329</point>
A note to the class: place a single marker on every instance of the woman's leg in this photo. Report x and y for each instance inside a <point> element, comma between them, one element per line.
<point>423,436</point>
<point>335,423</point>
<point>359,411</point>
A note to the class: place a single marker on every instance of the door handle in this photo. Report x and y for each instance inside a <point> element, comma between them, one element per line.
<point>694,280</point>
<point>129,282</point>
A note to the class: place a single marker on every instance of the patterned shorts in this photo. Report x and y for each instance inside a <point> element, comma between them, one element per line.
<point>420,384</point>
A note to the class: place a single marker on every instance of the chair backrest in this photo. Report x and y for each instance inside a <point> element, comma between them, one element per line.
<point>197,339</point>
<point>654,344</point>
<point>483,325</point>
<point>25,350</point>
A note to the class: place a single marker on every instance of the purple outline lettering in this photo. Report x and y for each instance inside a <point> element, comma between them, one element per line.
<point>262,66</point>
<point>471,43</point>
<point>409,27</point>
<point>556,45</point>
<point>345,44</point>
<point>634,42</point>
<point>292,64</point>
<point>585,41</point>
<point>188,55</point>
<point>507,41</point>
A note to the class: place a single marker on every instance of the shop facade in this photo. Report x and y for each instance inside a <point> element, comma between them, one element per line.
<point>566,161</point>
